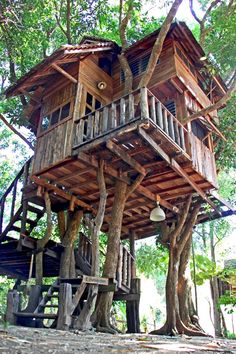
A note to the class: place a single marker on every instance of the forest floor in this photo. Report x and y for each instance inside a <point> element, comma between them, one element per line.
<point>21,340</point>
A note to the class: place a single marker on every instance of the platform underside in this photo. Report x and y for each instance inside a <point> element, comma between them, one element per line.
<point>77,176</point>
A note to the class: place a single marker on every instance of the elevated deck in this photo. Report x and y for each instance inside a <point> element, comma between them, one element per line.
<point>133,135</point>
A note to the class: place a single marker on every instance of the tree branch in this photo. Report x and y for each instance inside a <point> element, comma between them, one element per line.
<point>134,185</point>
<point>157,47</point>
<point>193,12</point>
<point>215,106</point>
<point>16,131</point>
<point>43,241</point>
<point>103,196</point>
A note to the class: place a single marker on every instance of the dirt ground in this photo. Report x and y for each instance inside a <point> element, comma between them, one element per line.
<point>21,340</point>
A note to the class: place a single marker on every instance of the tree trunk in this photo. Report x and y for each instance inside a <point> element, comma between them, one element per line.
<point>102,313</point>
<point>83,322</point>
<point>177,289</point>
<point>67,263</point>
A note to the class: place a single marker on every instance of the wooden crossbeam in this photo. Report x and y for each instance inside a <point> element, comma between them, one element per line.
<point>60,192</point>
<point>73,174</point>
<point>140,189</point>
<point>63,72</point>
<point>176,167</point>
<point>114,148</point>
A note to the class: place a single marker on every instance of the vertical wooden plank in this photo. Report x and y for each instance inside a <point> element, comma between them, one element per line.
<point>132,252</point>
<point>105,126</point>
<point>96,123</point>
<point>89,134</point>
<point>80,131</point>
<point>13,302</point>
<point>2,206</point>
<point>153,109</point>
<point>124,267</point>
<point>65,306</point>
<point>176,129</point>
<point>119,267</point>
<point>171,126</point>
<point>76,113</point>
<point>159,115</point>
<point>131,107</point>
<point>181,134</point>
<point>113,114</point>
<point>129,270</point>
<point>144,103</point>
<point>165,122</point>
<point>122,111</point>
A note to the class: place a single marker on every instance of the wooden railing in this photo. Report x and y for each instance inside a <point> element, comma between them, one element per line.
<point>203,160</point>
<point>124,268</point>
<point>170,125</point>
<point>9,202</point>
<point>138,104</point>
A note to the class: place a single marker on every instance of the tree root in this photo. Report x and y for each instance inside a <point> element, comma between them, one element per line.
<point>181,329</point>
<point>107,329</point>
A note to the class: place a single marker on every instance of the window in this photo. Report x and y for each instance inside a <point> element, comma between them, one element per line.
<point>92,103</point>
<point>170,105</point>
<point>55,117</point>
<point>137,66</point>
<point>185,60</point>
<point>199,131</point>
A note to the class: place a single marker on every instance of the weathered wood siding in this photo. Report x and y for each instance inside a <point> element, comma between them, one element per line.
<point>203,160</point>
<point>55,144</point>
<point>90,75</point>
<point>163,71</point>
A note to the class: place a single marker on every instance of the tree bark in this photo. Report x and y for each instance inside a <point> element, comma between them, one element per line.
<point>102,321</point>
<point>41,243</point>
<point>83,322</point>
<point>67,263</point>
<point>177,290</point>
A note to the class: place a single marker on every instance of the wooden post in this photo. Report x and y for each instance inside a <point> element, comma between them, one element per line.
<point>159,115</point>
<point>65,305</point>
<point>132,252</point>
<point>122,111</point>
<point>132,309</point>
<point>144,103</point>
<point>153,109</point>
<point>13,300</point>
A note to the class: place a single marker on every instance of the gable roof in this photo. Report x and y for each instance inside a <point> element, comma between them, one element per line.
<point>63,55</point>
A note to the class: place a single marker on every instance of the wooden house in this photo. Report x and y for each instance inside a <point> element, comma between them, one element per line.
<point>79,114</point>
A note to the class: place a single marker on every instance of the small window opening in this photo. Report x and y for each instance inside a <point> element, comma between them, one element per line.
<point>105,65</point>
<point>171,106</point>
<point>55,117</point>
<point>45,123</point>
<point>65,111</point>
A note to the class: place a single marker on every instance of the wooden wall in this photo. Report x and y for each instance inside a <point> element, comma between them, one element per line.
<point>163,71</point>
<point>55,144</point>
<point>90,75</point>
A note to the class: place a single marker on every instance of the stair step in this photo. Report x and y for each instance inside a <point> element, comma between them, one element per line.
<point>30,222</point>
<point>53,296</point>
<point>50,306</point>
<point>35,210</point>
<point>36,315</point>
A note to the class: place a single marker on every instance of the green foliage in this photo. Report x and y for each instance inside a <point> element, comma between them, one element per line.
<point>152,260</point>
<point>5,285</point>
<point>205,269</point>
<point>228,300</point>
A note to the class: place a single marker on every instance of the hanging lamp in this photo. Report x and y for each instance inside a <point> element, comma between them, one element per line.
<point>157,214</point>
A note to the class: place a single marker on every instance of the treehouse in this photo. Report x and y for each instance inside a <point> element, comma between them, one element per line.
<point>80,115</point>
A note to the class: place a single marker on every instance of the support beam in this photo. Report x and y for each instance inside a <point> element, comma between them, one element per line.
<point>140,189</point>
<point>63,72</point>
<point>176,167</point>
<point>125,157</point>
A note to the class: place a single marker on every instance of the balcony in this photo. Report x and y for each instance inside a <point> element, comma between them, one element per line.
<point>142,108</point>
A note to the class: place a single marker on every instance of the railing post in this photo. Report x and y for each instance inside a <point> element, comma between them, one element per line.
<point>131,107</point>
<point>144,103</point>
<point>159,115</point>
<point>122,111</point>
<point>153,109</point>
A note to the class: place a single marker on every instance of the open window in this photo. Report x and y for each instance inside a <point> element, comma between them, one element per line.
<point>55,117</point>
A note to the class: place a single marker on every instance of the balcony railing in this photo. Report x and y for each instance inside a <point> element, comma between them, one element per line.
<point>136,105</point>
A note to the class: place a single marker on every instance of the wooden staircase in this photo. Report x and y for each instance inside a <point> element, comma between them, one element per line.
<point>22,216</point>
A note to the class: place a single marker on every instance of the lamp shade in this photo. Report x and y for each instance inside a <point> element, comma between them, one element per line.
<point>157,214</point>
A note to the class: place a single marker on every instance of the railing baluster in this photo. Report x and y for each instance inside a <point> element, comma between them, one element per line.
<point>80,135</point>
<point>13,198</point>
<point>159,115</point>
<point>105,120</point>
<point>171,127</point>
<point>122,111</point>
<point>176,129</point>
<point>129,270</point>
<point>181,133</point>
<point>89,134</point>
<point>131,107</point>
<point>113,116</point>
<point>144,103</point>
<point>96,123</point>
<point>153,109</point>
<point>165,122</point>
